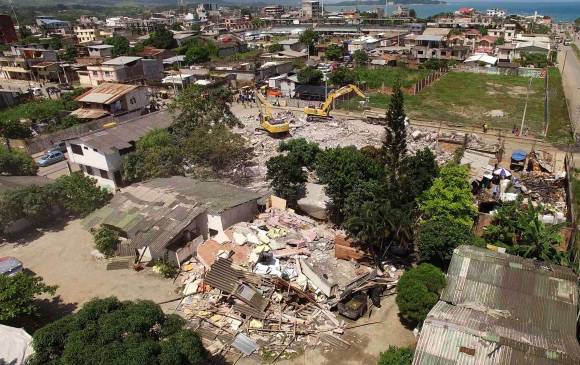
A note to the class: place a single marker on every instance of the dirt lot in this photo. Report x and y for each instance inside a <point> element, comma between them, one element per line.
<point>63,257</point>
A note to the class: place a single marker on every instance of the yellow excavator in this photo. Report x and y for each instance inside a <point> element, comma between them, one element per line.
<point>323,113</point>
<point>267,121</point>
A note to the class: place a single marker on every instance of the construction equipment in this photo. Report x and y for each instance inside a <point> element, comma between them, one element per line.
<point>267,121</point>
<point>323,113</point>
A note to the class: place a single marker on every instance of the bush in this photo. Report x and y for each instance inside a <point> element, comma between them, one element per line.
<point>438,237</point>
<point>418,291</point>
<point>396,356</point>
<point>18,293</point>
<point>166,268</point>
<point>17,163</point>
<point>79,194</point>
<point>305,152</point>
<point>106,241</point>
<point>107,331</point>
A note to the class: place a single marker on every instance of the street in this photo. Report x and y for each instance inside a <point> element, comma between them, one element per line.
<point>570,69</point>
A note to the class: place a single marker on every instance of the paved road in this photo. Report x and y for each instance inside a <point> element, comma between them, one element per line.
<point>571,81</point>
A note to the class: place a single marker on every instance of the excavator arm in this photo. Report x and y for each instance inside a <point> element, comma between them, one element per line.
<point>324,110</point>
<point>267,112</point>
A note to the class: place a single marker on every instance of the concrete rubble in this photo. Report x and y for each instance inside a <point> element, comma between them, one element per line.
<point>279,284</point>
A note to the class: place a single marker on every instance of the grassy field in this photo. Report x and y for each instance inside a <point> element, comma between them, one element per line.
<point>386,77</point>
<point>469,99</point>
<point>559,118</point>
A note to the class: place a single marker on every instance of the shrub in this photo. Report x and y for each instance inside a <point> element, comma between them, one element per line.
<point>106,240</point>
<point>438,237</point>
<point>418,291</point>
<point>396,356</point>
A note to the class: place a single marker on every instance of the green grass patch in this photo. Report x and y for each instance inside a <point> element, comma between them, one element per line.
<point>559,120</point>
<point>386,77</point>
<point>40,109</point>
<point>576,50</point>
<point>467,99</point>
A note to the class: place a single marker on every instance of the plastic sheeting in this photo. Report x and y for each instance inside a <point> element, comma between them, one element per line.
<point>15,345</point>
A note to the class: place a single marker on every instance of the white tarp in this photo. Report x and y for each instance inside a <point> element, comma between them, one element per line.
<point>482,57</point>
<point>15,345</point>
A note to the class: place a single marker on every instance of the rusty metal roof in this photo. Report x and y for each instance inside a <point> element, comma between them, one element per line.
<point>502,309</point>
<point>106,93</point>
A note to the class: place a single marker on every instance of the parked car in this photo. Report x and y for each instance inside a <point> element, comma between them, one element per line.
<point>60,147</point>
<point>10,266</point>
<point>51,158</point>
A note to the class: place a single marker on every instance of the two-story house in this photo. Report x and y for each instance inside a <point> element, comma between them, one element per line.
<point>99,154</point>
<point>122,69</point>
<point>111,99</point>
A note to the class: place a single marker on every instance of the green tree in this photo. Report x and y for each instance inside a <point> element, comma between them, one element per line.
<point>70,53</point>
<point>305,152</point>
<point>418,291</point>
<point>157,154</point>
<point>343,76</point>
<point>114,332</point>
<point>287,177</point>
<point>309,38</point>
<point>55,43</point>
<point>310,75</point>
<point>198,107</point>
<point>518,228</point>
<point>439,236</point>
<point>449,196</point>
<point>360,57</point>
<point>106,240</point>
<point>538,60</point>
<point>334,52</point>
<point>342,170</point>
<point>14,129</point>
<point>412,13</point>
<point>500,41</point>
<point>396,356</point>
<point>197,54</point>
<point>420,171</point>
<point>161,38</point>
<point>120,45</point>
<point>78,194</point>
<point>17,163</point>
<point>31,202</point>
<point>275,47</point>
<point>395,142</point>
<point>18,292</point>
<point>217,149</point>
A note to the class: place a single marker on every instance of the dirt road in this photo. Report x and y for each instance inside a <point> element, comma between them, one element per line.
<point>63,257</point>
<point>571,81</point>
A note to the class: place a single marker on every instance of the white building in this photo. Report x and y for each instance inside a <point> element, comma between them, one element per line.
<point>364,43</point>
<point>99,154</point>
<point>508,32</point>
<point>496,13</point>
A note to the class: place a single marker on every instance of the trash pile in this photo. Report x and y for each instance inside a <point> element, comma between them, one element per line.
<point>545,188</point>
<point>272,287</point>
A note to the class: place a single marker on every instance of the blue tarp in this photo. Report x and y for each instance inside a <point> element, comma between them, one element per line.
<point>519,155</point>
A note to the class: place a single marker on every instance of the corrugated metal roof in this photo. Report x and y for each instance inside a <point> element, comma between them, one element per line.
<point>120,136</point>
<point>123,60</point>
<point>106,93</point>
<point>245,344</point>
<point>502,309</point>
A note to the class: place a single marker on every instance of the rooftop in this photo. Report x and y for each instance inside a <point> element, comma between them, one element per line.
<point>437,31</point>
<point>106,93</point>
<point>100,46</point>
<point>502,309</point>
<point>123,60</point>
<point>121,136</point>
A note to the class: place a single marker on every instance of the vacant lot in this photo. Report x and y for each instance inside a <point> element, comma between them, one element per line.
<point>471,99</point>
<point>386,77</point>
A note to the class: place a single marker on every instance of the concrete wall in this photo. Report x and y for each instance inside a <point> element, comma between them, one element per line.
<point>97,160</point>
<point>242,213</point>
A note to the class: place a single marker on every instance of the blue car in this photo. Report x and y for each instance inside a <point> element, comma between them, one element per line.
<point>50,158</point>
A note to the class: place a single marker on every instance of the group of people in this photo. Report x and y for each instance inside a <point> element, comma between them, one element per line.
<point>245,96</point>
<point>515,130</point>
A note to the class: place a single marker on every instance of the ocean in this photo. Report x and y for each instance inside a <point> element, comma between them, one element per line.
<point>559,11</point>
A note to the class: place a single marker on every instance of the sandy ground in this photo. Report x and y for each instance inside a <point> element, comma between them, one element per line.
<point>367,341</point>
<point>63,257</point>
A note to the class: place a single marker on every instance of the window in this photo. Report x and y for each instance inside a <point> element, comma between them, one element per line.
<point>96,150</point>
<point>104,174</point>
<point>76,149</point>
<point>108,74</point>
<point>89,170</point>
<point>133,101</point>
<point>95,73</point>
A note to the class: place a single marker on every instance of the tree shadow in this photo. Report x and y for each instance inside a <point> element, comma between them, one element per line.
<point>407,323</point>
<point>49,310</point>
<point>33,233</point>
<point>218,360</point>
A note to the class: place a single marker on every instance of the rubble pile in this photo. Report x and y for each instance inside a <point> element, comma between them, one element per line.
<point>544,188</point>
<point>278,284</point>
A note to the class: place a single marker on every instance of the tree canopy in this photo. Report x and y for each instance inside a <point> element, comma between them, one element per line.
<point>418,291</point>
<point>438,237</point>
<point>343,76</point>
<point>161,38</point>
<point>106,240</point>
<point>396,356</point>
<point>275,47</point>
<point>360,57</point>
<point>17,294</point>
<point>310,75</point>
<point>108,331</point>
<point>518,228</point>
<point>334,52</point>
<point>395,144</point>
<point>120,45</point>
<point>16,163</point>
<point>309,38</point>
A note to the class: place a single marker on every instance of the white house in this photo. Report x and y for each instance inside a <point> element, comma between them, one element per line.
<point>99,154</point>
<point>496,13</point>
